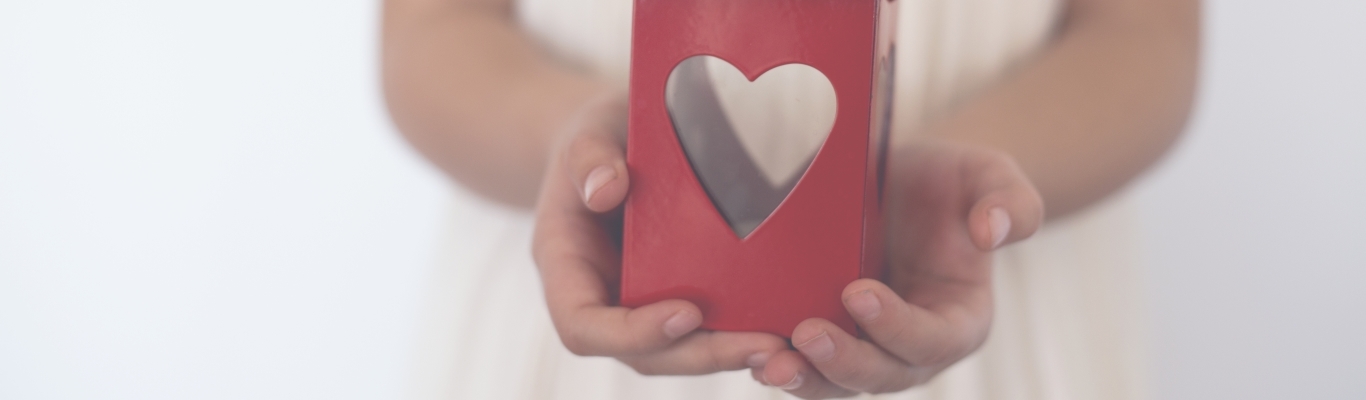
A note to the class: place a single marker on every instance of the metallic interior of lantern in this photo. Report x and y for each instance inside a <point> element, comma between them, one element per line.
<point>749,141</point>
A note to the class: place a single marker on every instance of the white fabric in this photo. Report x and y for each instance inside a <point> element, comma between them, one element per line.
<point>1068,322</point>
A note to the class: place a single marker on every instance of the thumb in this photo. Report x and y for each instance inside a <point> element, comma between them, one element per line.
<point>1007,208</point>
<point>597,165</point>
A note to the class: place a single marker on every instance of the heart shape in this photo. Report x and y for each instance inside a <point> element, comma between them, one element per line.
<point>749,141</point>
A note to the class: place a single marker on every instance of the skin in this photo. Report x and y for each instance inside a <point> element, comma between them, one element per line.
<point>1106,98</point>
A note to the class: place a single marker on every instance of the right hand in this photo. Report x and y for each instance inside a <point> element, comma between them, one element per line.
<point>577,248</point>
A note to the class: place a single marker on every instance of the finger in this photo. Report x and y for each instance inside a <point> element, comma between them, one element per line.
<point>578,265</point>
<point>1006,206</point>
<point>597,164</point>
<point>709,352</point>
<point>588,327</point>
<point>789,371</point>
<point>921,337</point>
<point>849,362</point>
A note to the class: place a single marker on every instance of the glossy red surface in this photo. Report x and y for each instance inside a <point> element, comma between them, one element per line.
<point>825,234</point>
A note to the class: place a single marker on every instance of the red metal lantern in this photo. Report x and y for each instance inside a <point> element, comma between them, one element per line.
<point>683,237</point>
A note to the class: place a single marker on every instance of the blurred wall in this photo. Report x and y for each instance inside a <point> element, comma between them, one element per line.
<point>1256,225</point>
<point>203,200</point>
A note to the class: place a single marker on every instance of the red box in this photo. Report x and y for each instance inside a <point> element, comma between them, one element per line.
<point>826,233</point>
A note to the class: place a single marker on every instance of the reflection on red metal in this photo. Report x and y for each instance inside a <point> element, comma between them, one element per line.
<point>826,232</point>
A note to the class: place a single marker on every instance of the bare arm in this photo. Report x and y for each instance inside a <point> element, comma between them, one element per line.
<point>472,92</point>
<point>478,98</point>
<point>1104,102</point>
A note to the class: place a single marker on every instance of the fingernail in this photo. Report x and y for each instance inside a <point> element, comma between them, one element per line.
<point>1000,226</point>
<point>796,382</point>
<point>680,324</point>
<point>864,305</point>
<point>597,178</point>
<point>757,360</point>
<point>819,348</point>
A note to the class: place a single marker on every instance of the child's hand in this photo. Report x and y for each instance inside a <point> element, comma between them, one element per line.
<point>947,207</point>
<point>577,248</point>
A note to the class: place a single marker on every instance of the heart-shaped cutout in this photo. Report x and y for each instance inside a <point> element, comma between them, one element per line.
<point>749,141</point>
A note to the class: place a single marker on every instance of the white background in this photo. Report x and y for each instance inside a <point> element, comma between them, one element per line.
<point>205,200</point>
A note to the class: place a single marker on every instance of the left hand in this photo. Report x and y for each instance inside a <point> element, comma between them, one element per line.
<point>947,207</point>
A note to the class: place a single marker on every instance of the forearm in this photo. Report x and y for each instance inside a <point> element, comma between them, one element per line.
<point>474,95</point>
<point>1099,106</point>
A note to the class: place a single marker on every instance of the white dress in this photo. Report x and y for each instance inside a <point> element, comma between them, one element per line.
<point>1069,317</point>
